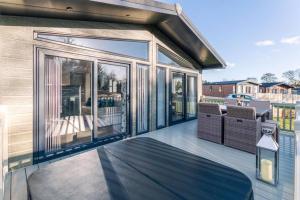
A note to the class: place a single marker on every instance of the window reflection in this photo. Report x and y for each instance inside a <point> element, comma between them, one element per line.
<point>164,59</point>
<point>137,49</point>
<point>142,98</point>
<point>111,99</point>
<point>67,92</point>
<point>161,97</point>
<point>191,107</point>
<point>168,58</point>
<point>177,96</point>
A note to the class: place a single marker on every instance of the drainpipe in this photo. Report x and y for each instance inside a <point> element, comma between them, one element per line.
<point>3,148</point>
<point>297,152</point>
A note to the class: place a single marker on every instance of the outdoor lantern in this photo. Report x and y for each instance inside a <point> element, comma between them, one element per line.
<point>267,157</point>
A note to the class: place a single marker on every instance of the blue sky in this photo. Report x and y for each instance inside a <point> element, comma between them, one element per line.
<point>252,36</point>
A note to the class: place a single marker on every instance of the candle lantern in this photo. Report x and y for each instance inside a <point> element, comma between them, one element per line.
<point>267,158</point>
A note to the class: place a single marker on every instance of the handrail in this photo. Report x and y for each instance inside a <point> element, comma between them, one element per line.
<point>3,148</point>
<point>297,153</point>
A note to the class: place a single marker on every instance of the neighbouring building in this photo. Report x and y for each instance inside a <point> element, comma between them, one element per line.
<point>276,88</point>
<point>77,74</point>
<point>224,88</point>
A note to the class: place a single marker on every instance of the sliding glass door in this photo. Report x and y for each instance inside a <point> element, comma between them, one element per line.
<point>65,89</point>
<point>80,101</point>
<point>177,97</point>
<point>142,85</point>
<point>112,99</point>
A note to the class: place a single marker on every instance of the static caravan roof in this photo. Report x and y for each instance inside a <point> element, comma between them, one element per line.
<point>267,85</point>
<point>231,82</point>
<point>168,18</point>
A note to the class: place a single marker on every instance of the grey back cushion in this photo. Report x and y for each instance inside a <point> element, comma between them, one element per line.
<point>241,112</point>
<point>263,105</point>
<point>209,108</point>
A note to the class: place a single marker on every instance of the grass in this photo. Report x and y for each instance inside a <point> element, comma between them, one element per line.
<point>287,126</point>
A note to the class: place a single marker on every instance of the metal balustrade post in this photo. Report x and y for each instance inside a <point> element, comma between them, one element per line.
<point>297,152</point>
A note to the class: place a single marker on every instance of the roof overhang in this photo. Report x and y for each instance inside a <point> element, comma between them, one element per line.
<point>168,18</point>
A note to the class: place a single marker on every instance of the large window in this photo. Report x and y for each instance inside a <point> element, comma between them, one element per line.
<point>132,48</point>
<point>66,91</point>
<point>161,97</point>
<point>142,98</point>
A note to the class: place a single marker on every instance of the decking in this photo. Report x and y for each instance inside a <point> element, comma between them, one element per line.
<point>184,137</point>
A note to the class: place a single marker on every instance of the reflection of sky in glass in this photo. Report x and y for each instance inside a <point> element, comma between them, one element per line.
<point>130,48</point>
<point>118,71</point>
<point>164,59</point>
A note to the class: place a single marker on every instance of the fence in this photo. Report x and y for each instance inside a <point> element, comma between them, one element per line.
<point>278,98</point>
<point>283,113</point>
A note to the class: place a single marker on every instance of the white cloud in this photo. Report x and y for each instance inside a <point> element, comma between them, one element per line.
<point>291,40</point>
<point>265,43</point>
<point>230,64</point>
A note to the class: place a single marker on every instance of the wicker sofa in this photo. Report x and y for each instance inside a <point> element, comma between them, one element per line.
<point>242,130</point>
<point>210,122</point>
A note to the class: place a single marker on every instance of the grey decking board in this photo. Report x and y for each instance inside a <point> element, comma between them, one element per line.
<point>184,137</point>
<point>7,187</point>
<point>19,185</point>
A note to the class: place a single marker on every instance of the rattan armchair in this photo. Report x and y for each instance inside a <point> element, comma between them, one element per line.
<point>242,130</point>
<point>210,122</point>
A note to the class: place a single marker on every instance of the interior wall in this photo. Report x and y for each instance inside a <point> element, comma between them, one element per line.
<point>17,61</point>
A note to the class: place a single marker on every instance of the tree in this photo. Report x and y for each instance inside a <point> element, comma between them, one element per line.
<point>268,78</point>
<point>290,76</point>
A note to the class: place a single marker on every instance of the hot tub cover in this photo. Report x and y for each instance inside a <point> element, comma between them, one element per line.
<point>139,168</point>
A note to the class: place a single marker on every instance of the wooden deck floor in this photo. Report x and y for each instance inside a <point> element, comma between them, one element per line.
<point>184,137</point>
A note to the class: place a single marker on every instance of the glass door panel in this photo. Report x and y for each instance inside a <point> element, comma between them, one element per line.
<point>142,98</point>
<point>112,103</point>
<point>191,97</point>
<point>65,93</point>
<point>161,97</point>
<point>177,97</point>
